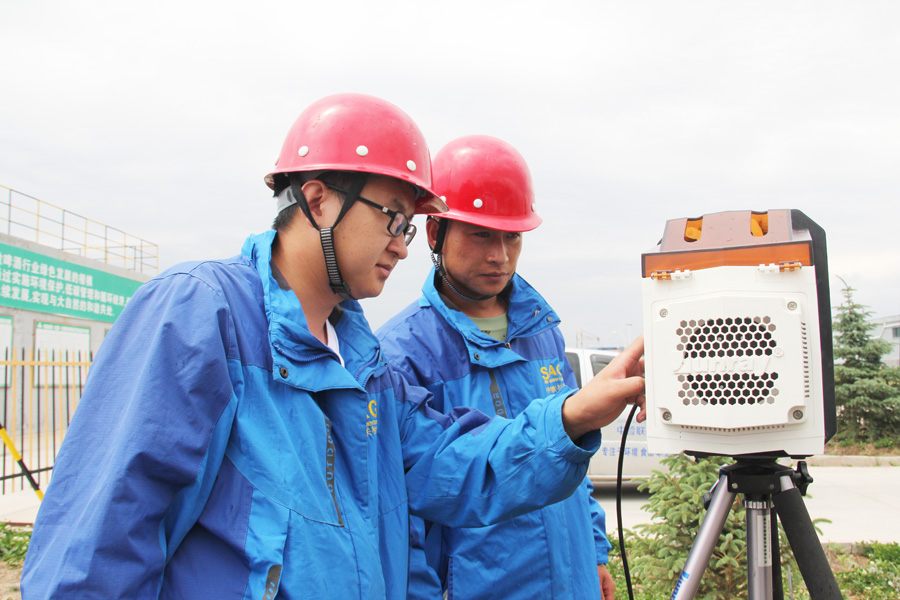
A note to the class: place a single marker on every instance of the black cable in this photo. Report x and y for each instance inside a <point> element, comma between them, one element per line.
<point>619,503</point>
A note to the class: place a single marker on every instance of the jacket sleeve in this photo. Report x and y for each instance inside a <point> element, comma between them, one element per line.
<point>142,450</point>
<point>598,523</point>
<point>425,575</point>
<point>465,469</point>
<point>598,515</point>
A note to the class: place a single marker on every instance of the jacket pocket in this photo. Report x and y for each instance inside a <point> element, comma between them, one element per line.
<point>292,556</point>
<point>293,461</point>
<point>265,545</point>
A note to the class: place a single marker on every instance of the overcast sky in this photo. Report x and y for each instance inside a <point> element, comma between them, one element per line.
<point>162,118</point>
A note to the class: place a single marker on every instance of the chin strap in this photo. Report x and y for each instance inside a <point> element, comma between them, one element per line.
<point>438,261</point>
<point>326,234</point>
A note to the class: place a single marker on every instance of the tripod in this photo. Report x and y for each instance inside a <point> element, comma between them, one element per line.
<point>768,488</point>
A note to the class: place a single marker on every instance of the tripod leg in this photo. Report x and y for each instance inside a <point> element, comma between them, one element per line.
<point>805,543</point>
<point>777,585</point>
<point>759,548</point>
<point>705,541</point>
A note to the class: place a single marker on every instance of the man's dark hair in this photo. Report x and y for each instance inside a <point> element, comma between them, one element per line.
<point>341,179</point>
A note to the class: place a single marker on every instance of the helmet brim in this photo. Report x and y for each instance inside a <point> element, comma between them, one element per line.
<point>427,202</point>
<point>516,223</point>
<point>430,204</point>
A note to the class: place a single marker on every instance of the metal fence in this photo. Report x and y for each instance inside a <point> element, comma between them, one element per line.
<point>40,392</point>
<point>33,219</point>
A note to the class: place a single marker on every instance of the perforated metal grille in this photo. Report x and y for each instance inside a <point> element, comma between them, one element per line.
<point>728,388</point>
<point>723,342</point>
<point>742,336</point>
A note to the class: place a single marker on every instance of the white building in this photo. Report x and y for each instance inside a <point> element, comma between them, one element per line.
<point>888,328</point>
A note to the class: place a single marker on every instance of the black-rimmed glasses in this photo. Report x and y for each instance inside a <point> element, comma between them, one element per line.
<point>399,224</point>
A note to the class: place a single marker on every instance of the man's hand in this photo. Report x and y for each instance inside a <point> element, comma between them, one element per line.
<point>607,583</point>
<point>604,397</point>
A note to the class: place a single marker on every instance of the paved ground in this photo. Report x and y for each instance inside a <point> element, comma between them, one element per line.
<point>19,507</point>
<point>862,502</point>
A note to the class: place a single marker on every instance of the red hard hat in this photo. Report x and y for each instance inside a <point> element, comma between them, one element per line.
<point>356,132</point>
<point>485,182</point>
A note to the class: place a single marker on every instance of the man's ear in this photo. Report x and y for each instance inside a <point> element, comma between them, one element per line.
<point>431,228</point>
<point>315,193</point>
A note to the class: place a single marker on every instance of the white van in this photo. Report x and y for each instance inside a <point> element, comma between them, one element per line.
<point>638,462</point>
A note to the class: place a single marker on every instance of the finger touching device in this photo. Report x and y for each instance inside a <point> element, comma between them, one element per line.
<point>737,336</point>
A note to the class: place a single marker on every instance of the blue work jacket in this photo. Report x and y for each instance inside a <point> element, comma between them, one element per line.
<point>221,451</point>
<point>551,553</point>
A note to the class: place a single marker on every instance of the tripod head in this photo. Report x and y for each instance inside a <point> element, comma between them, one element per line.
<point>761,476</point>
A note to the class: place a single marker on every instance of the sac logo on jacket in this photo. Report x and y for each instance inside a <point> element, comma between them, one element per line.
<point>372,419</point>
<point>553,378</point>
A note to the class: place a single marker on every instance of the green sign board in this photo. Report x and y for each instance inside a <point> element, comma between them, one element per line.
<point>33,281</point>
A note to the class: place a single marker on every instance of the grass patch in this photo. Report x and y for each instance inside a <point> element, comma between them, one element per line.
<point>883,447</point>
<point>869,571</point>
<point>14,544</point>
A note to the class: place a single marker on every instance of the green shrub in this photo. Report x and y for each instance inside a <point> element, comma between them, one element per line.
<point>13,544</point>
<point>885,442</point>
<point>877,577</point>
<point>877,551</point>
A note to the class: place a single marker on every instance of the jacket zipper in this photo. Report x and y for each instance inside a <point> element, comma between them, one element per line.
<point>330,480</point>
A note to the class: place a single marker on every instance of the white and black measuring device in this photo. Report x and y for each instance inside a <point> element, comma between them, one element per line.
<point>739,364</point>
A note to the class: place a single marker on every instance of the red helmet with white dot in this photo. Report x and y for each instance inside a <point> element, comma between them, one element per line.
<point>356,132</point>
<point>485,182</point>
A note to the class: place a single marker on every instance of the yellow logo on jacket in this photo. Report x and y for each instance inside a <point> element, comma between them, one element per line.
<point>372,420</point>
<point>553,378</point>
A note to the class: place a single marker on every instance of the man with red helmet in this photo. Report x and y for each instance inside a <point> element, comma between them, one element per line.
<point>480,336</point>
<point>241,436</point>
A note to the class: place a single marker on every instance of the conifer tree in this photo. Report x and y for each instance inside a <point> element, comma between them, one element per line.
<point>867,392</point>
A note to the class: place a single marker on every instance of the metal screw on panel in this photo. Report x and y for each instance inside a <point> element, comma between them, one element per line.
<point>664,313</point>
<point>797,414</point>
<point>667,416</point>
<point>792,305</point>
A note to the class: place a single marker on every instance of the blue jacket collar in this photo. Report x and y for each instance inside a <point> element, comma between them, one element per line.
<point>298,357</point>
<point>528,313</point>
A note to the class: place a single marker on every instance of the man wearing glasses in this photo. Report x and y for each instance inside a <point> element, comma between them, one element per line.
<point>240,435</point>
